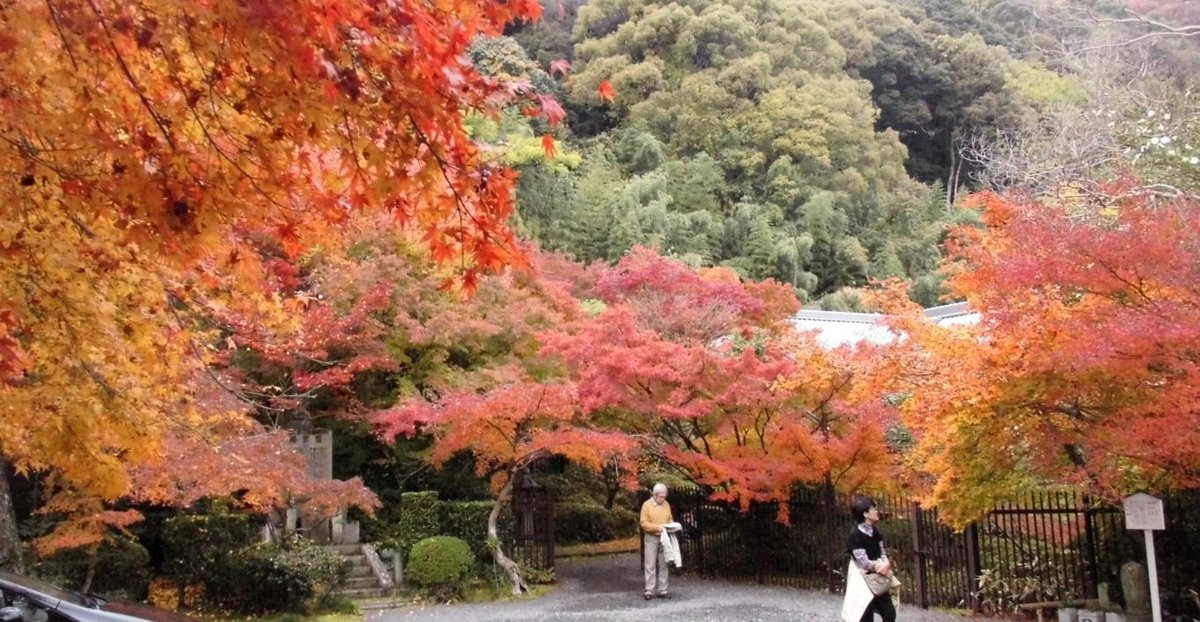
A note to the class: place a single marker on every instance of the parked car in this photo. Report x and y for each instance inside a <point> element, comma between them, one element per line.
<point>26,599</point>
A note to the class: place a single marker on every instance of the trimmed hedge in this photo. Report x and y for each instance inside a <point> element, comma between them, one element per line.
<point>585,523</point>
<point>467,520</point>
<point>419,519</point>
<point>440,563</point>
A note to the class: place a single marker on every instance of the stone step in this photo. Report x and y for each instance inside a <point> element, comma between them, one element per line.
<point>360,583</point>
<point>345,549</point>
<point>377,592</point>
<point>360,570</point>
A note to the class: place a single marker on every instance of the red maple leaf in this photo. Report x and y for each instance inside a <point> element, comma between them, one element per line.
<point>548,146</point>
<point>551,109</point>
<point>561,67</point>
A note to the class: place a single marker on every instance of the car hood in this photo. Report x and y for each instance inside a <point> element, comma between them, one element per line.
<point>123,611</point>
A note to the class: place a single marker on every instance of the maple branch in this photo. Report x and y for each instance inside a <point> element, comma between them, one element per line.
<point>62,35</point>
<point>195,350</point>
<point>703,437</point>
<point>401,481</point>
<point>1076,411</point>
<point>459,201</point>
<point>30,152</point>
<point>133,83</point>
<point>737,434</point>
<point>83,228</point>
<point>512,442</point>
<point>215,95</point>
<point>359,172</point>
<point>1138,288</point>
<point>762,420</point>
<point>254,183</point>
<point>849,465</point>
<point>96,376</point>
<point>674,426</point>
<point>820,413</point>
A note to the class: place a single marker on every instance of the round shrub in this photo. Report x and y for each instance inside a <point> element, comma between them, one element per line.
<point>439,563</point>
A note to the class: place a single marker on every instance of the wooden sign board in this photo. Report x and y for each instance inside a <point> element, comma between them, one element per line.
<point>1143,511</point>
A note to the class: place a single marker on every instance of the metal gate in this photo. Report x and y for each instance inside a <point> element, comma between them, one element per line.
<point>533,515</point>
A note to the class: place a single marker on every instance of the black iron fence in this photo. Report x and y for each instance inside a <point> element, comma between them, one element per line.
<point>1044,546</point>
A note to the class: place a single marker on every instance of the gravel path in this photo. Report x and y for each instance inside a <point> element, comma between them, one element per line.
<point>609,589</point>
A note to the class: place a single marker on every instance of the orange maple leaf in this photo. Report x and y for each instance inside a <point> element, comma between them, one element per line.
<point>548,146</point>
<point>606,90</point>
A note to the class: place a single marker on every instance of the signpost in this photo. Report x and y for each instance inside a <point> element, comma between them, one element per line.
<point>1145,512</point>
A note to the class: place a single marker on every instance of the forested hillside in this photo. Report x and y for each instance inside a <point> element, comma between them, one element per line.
<point>826,142</point>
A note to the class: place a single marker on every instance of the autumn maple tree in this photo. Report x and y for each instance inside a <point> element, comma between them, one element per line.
<point>706,370</point>
<point>139,137</point>
<point>512,410</point>
<point>1083,368</point>
<point>506,430</point>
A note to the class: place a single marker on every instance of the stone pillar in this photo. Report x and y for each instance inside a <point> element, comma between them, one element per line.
<point>1135,584</point>
<point>317,449</point>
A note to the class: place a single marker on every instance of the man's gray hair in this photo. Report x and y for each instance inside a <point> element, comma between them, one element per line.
<point>659,487</point>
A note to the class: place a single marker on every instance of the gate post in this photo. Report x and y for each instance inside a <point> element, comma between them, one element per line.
<point>1093,554</point>
<point>548,527</point>
<point>974,566</point>
<point>919,577</point>
<point>828,501</point>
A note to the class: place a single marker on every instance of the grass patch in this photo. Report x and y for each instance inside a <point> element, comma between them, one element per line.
<point>474,590</point>
<point>487,593</point>
<point>625,545</point>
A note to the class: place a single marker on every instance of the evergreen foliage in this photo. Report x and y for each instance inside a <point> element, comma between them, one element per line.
<point>439,563</point>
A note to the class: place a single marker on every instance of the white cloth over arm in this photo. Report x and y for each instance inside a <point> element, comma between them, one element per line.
<point>670,544</point>
<point>858,595</point>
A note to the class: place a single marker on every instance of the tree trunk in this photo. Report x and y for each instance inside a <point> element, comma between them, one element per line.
<point>956,165</point>
<point>951,179</point>
<point>93,557</point>
<point>10,543</point>
<point>493,534</point>
<point>611,497</point>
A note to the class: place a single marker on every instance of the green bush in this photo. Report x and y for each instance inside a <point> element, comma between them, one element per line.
<point>583,523</point>
<point>122,568</point>
<point>197,547</point>
<point>439,563</point>
<point>289,575</point>
<point>418,519</point>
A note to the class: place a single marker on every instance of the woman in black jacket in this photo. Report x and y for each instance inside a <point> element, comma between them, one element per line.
<point>867,555</point>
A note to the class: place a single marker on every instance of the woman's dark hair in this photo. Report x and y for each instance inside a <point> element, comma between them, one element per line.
<point>860,506</point>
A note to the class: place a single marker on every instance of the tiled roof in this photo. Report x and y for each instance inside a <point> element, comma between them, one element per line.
<point>837,328</point>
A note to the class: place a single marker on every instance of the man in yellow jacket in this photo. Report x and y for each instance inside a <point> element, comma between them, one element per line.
<point>656,512</point>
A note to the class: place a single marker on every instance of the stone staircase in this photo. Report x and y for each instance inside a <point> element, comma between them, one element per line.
<point>367,578</point>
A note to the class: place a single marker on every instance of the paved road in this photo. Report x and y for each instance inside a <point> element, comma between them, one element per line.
<point>609,590</point>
